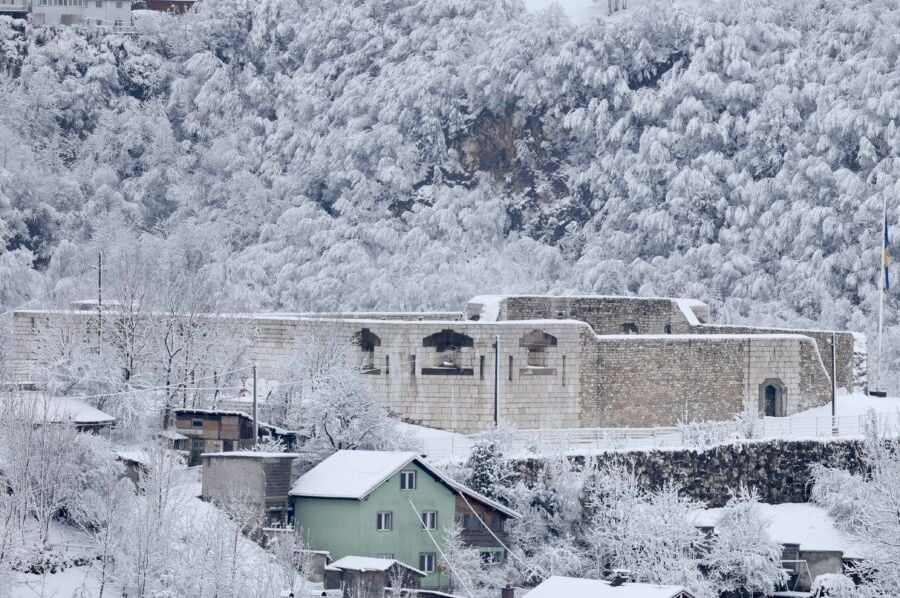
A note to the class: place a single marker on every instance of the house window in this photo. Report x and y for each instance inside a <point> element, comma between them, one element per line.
<point>407,480</point>
<point>118,23</point>
<point>497,523</point>
<point>426,562</point>
<point>385,555</point>
<point>196,423</point>
<point>384,521</point>
<point>629,328</point>
<point>118,4</point>
<point>429,520</point>
<point>98,3</point>
<point>471,523</point>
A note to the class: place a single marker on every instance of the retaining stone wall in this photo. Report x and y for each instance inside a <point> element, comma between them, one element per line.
<point>778,470</point>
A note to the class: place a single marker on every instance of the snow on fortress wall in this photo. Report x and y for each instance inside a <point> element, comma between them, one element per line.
<point>564,361</point>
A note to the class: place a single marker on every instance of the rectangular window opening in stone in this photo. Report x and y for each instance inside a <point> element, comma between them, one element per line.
<point>481,367</point>
<point>667,329</point>
<point>412,364</point>
<point>387,364</point>
<point>510,368</point>
<point>629,328</point>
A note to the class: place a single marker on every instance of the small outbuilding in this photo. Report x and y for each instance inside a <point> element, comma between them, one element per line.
<point>367,577</point>
<point>263,479</point>
<point>573,587</point>
<point>83,416</point>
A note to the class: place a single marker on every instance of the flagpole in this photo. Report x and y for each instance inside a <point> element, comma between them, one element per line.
<point>881,284</point>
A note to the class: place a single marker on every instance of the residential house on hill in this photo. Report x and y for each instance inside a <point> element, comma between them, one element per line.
<point>219,430</point>
<point>394,505</point>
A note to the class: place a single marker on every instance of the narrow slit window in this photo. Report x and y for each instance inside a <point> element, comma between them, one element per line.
<point>481,366</point>
<point>510,368</point>
<point>387,364</point>
<point>563,370</point>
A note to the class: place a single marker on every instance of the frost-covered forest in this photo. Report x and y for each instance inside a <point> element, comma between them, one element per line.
<point>407,154</point>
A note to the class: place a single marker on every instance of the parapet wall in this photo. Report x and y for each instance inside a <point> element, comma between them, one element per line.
<point>606,315</point>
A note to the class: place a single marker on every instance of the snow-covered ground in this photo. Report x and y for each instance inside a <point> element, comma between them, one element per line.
<point>805,524</point>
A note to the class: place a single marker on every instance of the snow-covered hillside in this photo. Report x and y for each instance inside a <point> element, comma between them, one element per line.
<point>411,154</point>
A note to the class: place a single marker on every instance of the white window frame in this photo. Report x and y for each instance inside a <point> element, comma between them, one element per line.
<point>405,476</point>
<point>429,520</point>
<point>384,521</point>
<point>424,566</point>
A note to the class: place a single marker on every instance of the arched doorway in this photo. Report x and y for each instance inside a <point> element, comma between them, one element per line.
<point>771,398</point>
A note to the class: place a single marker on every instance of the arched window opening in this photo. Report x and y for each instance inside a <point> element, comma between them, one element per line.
<point>367,341</point>
<point>448,348</point>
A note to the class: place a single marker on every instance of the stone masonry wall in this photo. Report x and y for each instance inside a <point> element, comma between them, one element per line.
<point>582,380</point>
<point>844,356</point>
<point>778,470</point>
<point>606,315</point>
<point>659,380</point>
<point>610,315</point>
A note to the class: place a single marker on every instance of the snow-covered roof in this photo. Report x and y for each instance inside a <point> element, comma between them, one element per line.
<point>367,563</point>
<point>137,456</point>
<point>172,434</point>
<point>805,524</point>
<point>699,337</point>
<point>490,306</point>
<point>356,474</point>
<point>252,455</point>
<point>572,587</point>
<point>77,411</point>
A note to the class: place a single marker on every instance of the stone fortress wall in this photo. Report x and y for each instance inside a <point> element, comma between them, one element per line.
<point>564,361</point>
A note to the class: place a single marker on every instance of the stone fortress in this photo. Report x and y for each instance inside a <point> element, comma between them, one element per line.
<point>553,362</point>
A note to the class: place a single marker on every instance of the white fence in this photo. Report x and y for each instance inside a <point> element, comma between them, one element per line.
<point>586,441</point>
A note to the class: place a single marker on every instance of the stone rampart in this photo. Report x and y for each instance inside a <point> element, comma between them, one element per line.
<point>778,470</point>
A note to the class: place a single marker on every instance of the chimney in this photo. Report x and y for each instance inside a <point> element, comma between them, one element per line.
<point>508,592</point>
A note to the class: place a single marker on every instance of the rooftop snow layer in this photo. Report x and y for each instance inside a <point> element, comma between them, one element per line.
<point>367,563</point>
<point>805,524</point>
<point>571,587</point>
<point>76,410</point>
<point>355,474</point>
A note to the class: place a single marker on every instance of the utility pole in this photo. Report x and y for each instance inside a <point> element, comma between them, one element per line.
<point>255,418</point>
<point>882,280</point>
<point>99,298</point>
<point>834,426</point>
<point>497,380</point>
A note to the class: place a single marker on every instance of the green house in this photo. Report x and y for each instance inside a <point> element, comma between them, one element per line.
<point>394,505</point>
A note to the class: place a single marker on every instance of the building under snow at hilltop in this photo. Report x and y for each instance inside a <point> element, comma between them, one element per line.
<point>546,362</point>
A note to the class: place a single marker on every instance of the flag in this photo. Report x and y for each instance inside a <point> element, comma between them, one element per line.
<point>885,261</point>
